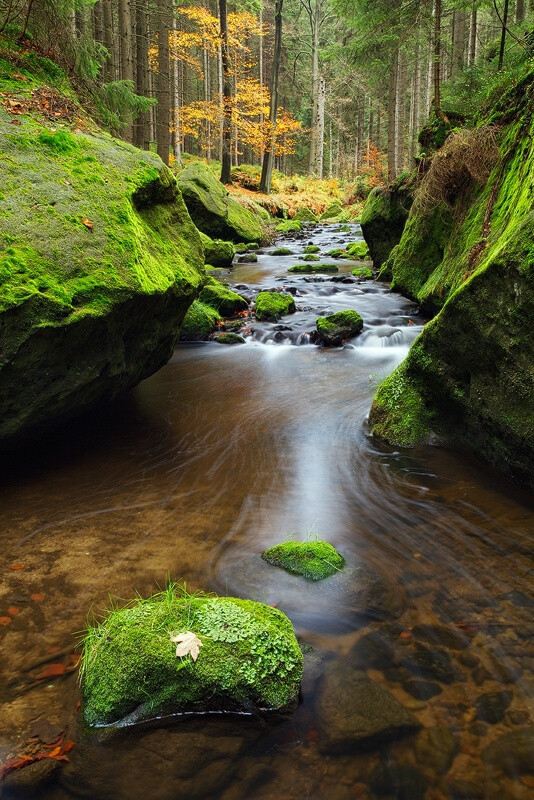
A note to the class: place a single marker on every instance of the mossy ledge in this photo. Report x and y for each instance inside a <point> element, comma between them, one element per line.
<point>99,261</point>
<point>314,560</point>
<point>249,659</point>
<point>469,377</point>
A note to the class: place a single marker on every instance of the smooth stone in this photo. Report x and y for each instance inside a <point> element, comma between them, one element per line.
<point>355,711</point>
<point>513,752</point>
<point>436,748</point>
<point>518,598</point>
<point>375,649</point>
<point>442,636</point>
<point>422,690</point>
<point>27,782</point>
<point>429,663</point>
<point>400,782</point>
<point>491,707</point>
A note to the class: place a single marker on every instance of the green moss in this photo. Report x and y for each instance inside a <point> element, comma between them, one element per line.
<point>332,212</point>
<point>240,247</point>
<point>384,216</point>
<point>363,273</point>
<point>314,560</point>
<point>336,252</point>
<point>216,252</point>
<point>199,322</point>
<point>399,413</point>
<point>314,268</point>
<point>304,214</point>
<point>359,250</point>
<point>312,248</point>
<point>282,251</point>
<point>59,141</point>
<point>222,299</point>
<point>336,328</point>
<point>310,257</point>
<point>230,338</point>
<point>273,305</point>
<point>288,226</point>
<point>249,659</point>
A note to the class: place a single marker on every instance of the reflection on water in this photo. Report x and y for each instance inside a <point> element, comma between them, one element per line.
<point>223,453</point>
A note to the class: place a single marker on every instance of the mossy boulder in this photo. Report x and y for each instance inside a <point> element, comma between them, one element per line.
<point>222,299</point>
<point>99,262</point>
<point>314,560</point>
<point>289,226</point>
<point>248,659</point>
<point>273,305</point>
<point>335,329</point>
<point>333,211</point>
<point>314,268</point>
<point>216,252</point>
<point>310,257</point>
<point>384,216</point>
<point>305,214</point>
<point>282,251</point>
<point>359,250</point>
<point>240,247</point>
<point>336,252</point>
<point>199,322</point>
<point>213,210</point>
<point>469,377</point>
<point>312,248</point>
<point>229,338</point>
<point>363,273</point>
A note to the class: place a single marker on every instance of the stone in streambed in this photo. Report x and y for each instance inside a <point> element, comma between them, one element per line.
<point>217,253</point>
<point>442,636</point>
<point>309,267</point>
<point>222,299</point>
<point>398,781</point>
<point>229,338</point>
<point>353,711</point>
<point>315,560</point>
<point>30,781</point>
<point>336,328</point>
<point>248,258</point>
<point>429,663</point>
<point>422,690</point>
<point>436,748</point>
<point>273,305</point>
<point>492,706</point>
<point>282,251</point>
<point>512,753</point>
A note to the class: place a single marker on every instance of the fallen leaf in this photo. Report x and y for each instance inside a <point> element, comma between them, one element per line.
<point>17,566</point>
<point>55,752</point>
<point>37,598</point>
<point>405,635</point>
<point>5,620</point>
<point>67,747</point>
<point>88,223</point>
<point>51,670</point>
<point>15,121</point>
<point>188,644</point>
<point>13,611</point>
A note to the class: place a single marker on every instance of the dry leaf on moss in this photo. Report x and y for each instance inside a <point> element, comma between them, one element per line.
<point>188,644</point>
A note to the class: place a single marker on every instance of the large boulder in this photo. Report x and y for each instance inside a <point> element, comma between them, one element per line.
<point>335,329</point>
<point>217,253</point>
<point>273,305</point>
<point>383,218</point>
<point>176,652</point>
<point>99,262</point>
<point>222,299</point>
<point>213,210</point>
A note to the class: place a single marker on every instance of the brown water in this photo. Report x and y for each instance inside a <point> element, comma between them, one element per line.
<point>224,452</point>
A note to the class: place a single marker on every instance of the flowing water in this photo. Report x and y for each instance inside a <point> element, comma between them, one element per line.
<point>222,453</point>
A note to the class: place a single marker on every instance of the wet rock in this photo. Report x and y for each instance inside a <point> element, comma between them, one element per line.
<point>375,649</point>
<point>314,665</point>
<point>518,598</point>
<point>334,329</point>
<point>480,675</point>
<point>429,663</point>
<point>422,690</point>
<point>518,717</point>
<point>436,748</point>
<point>248,258</point>
<point>512,753</point>
<point>469,659</point>
<point>400,782</point>
<point>491,707</point>
<point>28,782</point>
<point>230,338</point>
<point>353,710</point>
<point>442,636</point>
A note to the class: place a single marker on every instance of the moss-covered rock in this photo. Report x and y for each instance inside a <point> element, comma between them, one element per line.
<point>336,252</point>
<point>273,305</point>
<point>314,268</point>
<point>304,214</point>
<point>359,250</point>
<point>248,659</point>
<point>199,322</point>
<point>216,252</point>
<point>363,273</point>
<point>383,218</point>
<point>222,299</point>
<point>212,209</point>
<point>229,338</point>
<point>282,251</point>
<point>240,247</point>
<point>248,258</point>
<point>469,377</point>
<point>330,213</point>
<point>336,328</point>
<point>310,257</point>
<point>289,226</point>
<point>312,248</point>
<point>99,262</point>
<point>314,560</point>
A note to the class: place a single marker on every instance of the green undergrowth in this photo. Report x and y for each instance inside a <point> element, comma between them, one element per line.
<point>314,560</point>
<point>249,658</point>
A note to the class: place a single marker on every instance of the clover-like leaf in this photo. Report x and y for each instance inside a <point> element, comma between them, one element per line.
<point>188,644</point>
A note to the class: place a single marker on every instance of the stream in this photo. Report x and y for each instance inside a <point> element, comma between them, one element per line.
<point>224,452</point>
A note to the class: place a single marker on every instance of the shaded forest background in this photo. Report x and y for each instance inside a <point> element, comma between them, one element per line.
<point>358,79</point>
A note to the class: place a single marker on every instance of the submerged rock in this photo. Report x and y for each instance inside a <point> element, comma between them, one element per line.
<point>512,753</point>
<point>213,210</point>
<point>492,706</point>
<point>436,748</point>
<point>336,328</point>
<point>282,251</point>
<point>99,262</point>
<point>243,656</point>
<point>355,711</point>
<point>398,781</point>
<point>273,305</point>
<point>315,560</point>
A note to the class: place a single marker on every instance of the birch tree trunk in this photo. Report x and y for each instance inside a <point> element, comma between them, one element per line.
<point>315,25</point>
<point>163,82</point>
<point>176,101</point>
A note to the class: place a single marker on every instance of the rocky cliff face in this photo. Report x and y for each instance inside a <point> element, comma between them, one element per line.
<point>99,261</point>
<point>469,378</point>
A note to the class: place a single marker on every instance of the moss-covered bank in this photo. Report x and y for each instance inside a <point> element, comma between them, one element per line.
<point>244,657</point>
<point>383,218</point>
<point>99,261</point>
<point>469,377</point>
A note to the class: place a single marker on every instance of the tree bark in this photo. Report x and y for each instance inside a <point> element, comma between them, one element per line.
<point>163,82</point>
<point>472,36</point>
<point>141,77</point>
<point>315,26</point>
<point>503,34</point>
<point>226,166</point>
<point>458,45</point>
<point>109,67</point>
<point>402,90</point>
<point>268,156</point>
<point>392,116</point>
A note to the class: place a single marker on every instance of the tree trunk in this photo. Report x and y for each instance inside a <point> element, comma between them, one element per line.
<point>416,101</point>
<point>320,128</point>
<point>360,129</point>
<point>315,24</point>
<point>176,100</point>
<point>109,66</point>
<point>141,77</point>
<point>163,82</point>
<point>520,11</point>
<point>126,52</point>
<point>268,156</point>
<point>437,61</point>
<point>392,117</point>
<point>260,73</point>
<point>458,41</point>
<point>226,159</point>
<point>402,90</point>
<point>473,36</point>
<point>503,34</point>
